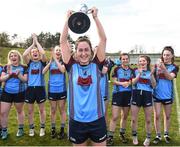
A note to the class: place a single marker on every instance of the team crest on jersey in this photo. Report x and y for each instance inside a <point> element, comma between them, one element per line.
<point>36,65</point>
<point>54,65</point>
<point>125,74</point>
<point>144,74</point>
<point>85,73</point>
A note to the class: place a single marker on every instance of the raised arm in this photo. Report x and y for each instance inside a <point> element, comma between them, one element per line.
<point>168,75</point>
<point>153,80</point>
<point>39,47</point>
<point>136,79</point>
<point>60,66</point>
<point>46,68</point>
<point>101,34</point>
<point>64,44</point>
<point>26,53</point>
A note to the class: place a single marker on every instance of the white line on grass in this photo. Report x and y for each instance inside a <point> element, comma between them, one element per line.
<point>177,103</point>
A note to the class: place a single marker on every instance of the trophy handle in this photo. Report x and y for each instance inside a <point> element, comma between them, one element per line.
<point>89,11</point>
<point>79,22</point>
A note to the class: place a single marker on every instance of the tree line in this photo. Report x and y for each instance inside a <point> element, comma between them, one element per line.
<point>47,40</point>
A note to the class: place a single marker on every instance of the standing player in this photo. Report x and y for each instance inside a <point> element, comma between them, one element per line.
<point>36,60</point>
<point>85,103</point>
<point>144,82</point>
<point>166,71</point>
<point>122,78</point>
<point>56,90</point>
<point>14,76</point>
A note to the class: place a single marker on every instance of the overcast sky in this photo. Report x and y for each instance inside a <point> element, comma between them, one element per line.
<point>151,24</point>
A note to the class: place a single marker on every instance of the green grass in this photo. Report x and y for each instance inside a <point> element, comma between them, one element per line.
<point>47,141</point>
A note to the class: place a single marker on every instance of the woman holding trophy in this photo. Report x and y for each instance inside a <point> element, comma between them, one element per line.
<point>85,103</point>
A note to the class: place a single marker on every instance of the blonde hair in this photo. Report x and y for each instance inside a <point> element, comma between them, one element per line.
<point>16,52</point>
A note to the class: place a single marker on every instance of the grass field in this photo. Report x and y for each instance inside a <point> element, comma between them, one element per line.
<point>48,141</point>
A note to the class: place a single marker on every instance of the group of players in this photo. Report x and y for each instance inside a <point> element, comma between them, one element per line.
<point>150,87</point>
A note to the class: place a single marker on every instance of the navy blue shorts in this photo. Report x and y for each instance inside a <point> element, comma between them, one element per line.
<point>79,132</point>
<point>122,99</point>
<point>12,98</point>
<point>164,102</point>
<point>141,98</point>
<point>57,96</point>
<point>35,93</point>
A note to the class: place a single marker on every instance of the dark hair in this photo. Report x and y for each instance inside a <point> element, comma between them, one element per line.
<point>82,39</point>
<point>168,48</point>
<point>124,54</point>
<point>148,59</point>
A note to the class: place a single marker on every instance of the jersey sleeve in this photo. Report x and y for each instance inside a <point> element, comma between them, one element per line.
<point>43,63</point>
<point>134,72</point>
<point>4,69</point>
<point>115,74</point>
<point>28,65</point>
<point>69,64</point>
<point>25,69</point>
<point>175,70</point>
<point>100,64</point>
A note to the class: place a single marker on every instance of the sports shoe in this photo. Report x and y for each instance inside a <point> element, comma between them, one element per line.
<point>123,138</point>
<point>53,133</point>
<point>146,142</point>
<point>157,140</point>
<point>110,141</point>
<point>42,132</point>
<point>61,135</point>
<point>135,140</point>
<point>4,135</point>
<point>167,138</point>
<point>31,132</point>
<point>20,133</point>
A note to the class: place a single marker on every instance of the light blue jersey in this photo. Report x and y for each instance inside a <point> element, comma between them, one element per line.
<point>164,87</point>
<point>84,97</point>
<point>57,79</point>
<point>144,82</point>
<point>122,75</point>
<point>35,76</point>
<point>14,85</point>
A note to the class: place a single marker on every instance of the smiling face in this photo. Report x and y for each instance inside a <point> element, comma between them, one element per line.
<point>35,54</point>
<point>57,52</point>
<point>125,60</point>
<point>83,53</point>
<point>14,58</point>
<point>167,57</point>
<point>143,63</point>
